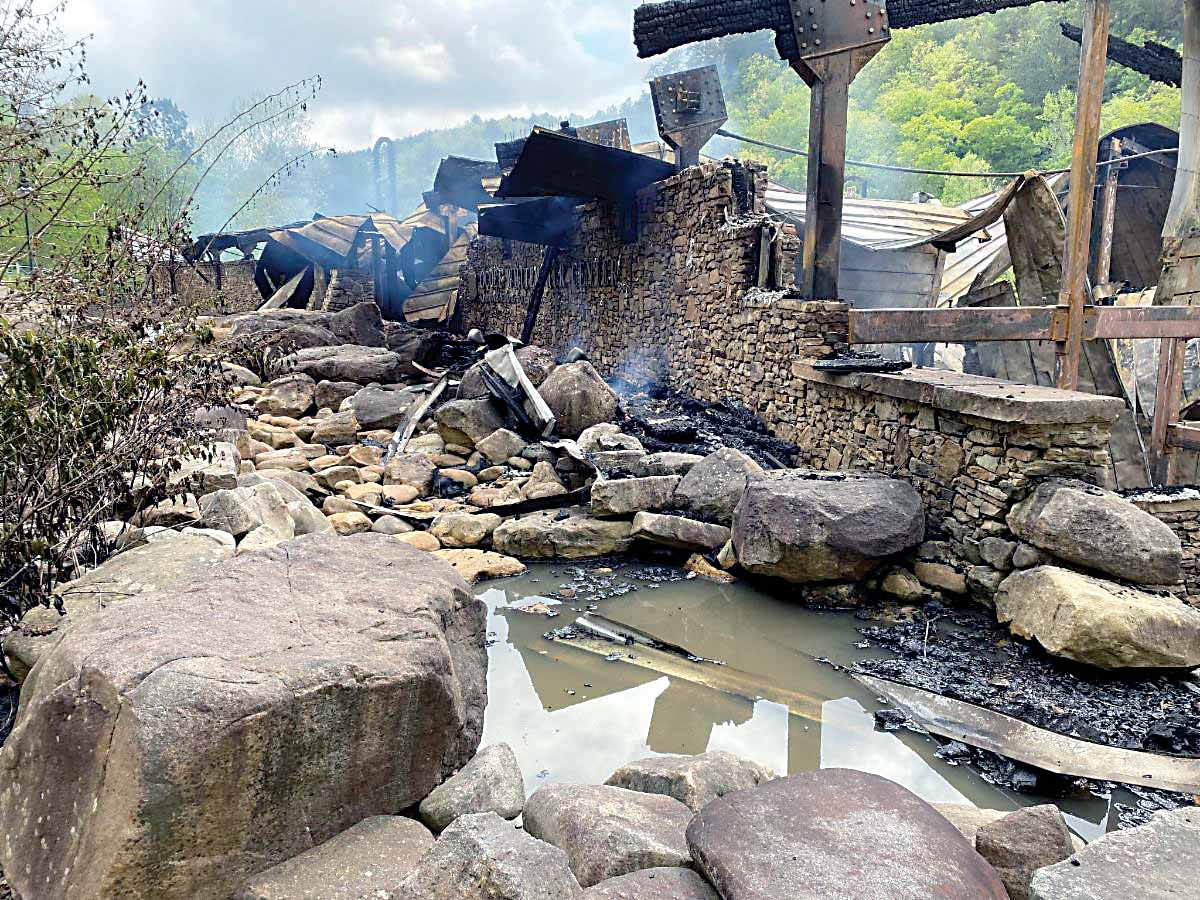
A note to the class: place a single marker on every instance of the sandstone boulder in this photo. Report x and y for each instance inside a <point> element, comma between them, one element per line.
<point>290,329</point>
<point>167,559</point>
<point>244,509</point>
<point>413,345</point>
<point>490,782</point>
<point>366,860</point>
<point>607,438</point>
<point>543,482</point>
<point>1096,529</point>
<point>577,536</point>
<point>679,532</point>
<point>626,496</point>
<point>477,565</point>
<point>694,781</point>
<point>811,529</point>
<point>653,884</point>
<point>468,421</point>
<point>1023,842</point>
<point>331,394</point>
<point>713,487</point>
<point>968,819</point>
<point>579,398</point>
<point>336,430</point>
<point>463,529</point>
<point>413,469</point>
<point>608,831</point>
<point>1155,861</point>
<point>362,365</point>
<point>213,737</point>
<point>1098,622</point>
<point>835,834</point>
<point>501,444</point>
<point>484,856</point>
<point>290,395</point>
<point>375,407</point>
<point>213,469</point>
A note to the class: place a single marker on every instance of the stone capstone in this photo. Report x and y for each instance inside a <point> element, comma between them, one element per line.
<point>545,536</point>
<point>713,487</point>
<point>653,884</point>
<point>1098,622</point>
<point>679,532</point>
<point>1155,861</point>
<point>835,833</point>
<point>806,528</point>
<point>694,781</point>
<point>1098,530</point>
<point>626,496</point>
<point>608,831</point>
<point>579,398</point>
<point>483,856</point>
<point>366,860</point>
<point>212,739</point>
<point>490,782</point>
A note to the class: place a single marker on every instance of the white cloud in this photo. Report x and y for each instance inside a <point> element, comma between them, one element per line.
<point>389,68</point>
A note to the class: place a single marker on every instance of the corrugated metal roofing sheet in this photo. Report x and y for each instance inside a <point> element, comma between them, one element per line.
<point>436,297</point>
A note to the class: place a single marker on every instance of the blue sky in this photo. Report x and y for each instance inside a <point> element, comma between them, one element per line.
<point>389,66</point>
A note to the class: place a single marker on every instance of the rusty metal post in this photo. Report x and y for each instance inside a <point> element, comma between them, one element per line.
<point>1073,296</point>
<point>828,113</point>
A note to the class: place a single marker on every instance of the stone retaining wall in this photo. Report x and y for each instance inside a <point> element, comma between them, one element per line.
<point>1182,514</point>
<point>682,306</point>
<point>227,288</point>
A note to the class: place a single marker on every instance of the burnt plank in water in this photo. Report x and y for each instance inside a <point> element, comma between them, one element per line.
<point>1025,743</point>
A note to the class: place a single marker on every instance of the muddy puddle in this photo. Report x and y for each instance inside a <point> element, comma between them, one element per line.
<point>575,710</point>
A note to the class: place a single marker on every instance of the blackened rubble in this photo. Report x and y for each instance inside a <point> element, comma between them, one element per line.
<point>672,421</point>
<point>969,657</point>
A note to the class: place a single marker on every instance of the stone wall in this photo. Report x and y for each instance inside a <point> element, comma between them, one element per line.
<point>227,288</point>
<point>682,306</point>
<point>346,288</point>
<point>1182,513</point>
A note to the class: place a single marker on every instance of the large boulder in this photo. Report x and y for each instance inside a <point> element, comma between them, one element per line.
<point>293,329</point>
<point>608,438</point>
<point>608,831</point>
<point>666,462</point>
<point>348,362</point>
<point>167,559</point>
<point>694,781</point>
<point>212,468</point>
<point>679,532</point>
<point>483,856</point>
<point>413,469</point>
<point>713,487</point>
<point>366,860</point>
<point>413,345</point>
<point>579,398</point>
<point>289,395</point>
<point>478,565</point>
<point>221,726</point>
<point>1096,529</point>
<point>807,528</point>
<point>376,408</point>
<point>244,509</point>
<point>491,782</point>
<point>626,496</point>
<point>330,394</point>
<point>1155,861</point>
<point>1098,622</point>
<point>576,536</point>
<point>537,362</point>
<point>468,422</point>
<point>668,883</point>
<point>835,834</point>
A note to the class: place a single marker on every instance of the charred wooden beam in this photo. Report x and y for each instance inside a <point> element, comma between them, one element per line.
<point>659,27</point>
<point>1156,61</point>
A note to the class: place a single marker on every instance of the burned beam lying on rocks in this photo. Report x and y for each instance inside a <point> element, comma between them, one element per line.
<point>1157,61</point>
<point>660,27</point>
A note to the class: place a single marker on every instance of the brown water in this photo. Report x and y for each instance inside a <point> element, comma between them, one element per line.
<point>574,715</point>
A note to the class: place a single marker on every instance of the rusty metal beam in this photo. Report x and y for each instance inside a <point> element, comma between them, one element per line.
<point>1074,294</point>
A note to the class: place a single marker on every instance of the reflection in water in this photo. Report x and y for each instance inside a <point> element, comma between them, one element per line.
<point>572,716</point>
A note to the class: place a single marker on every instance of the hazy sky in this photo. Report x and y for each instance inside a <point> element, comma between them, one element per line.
<point>390,67</point>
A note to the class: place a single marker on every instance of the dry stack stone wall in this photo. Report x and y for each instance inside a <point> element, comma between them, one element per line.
<point>227,287</point>
<point>1182,513</point>
<point>682,306</point>
<point>346,288</point>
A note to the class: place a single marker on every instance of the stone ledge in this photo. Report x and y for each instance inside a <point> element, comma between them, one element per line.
<point>974,395</point>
